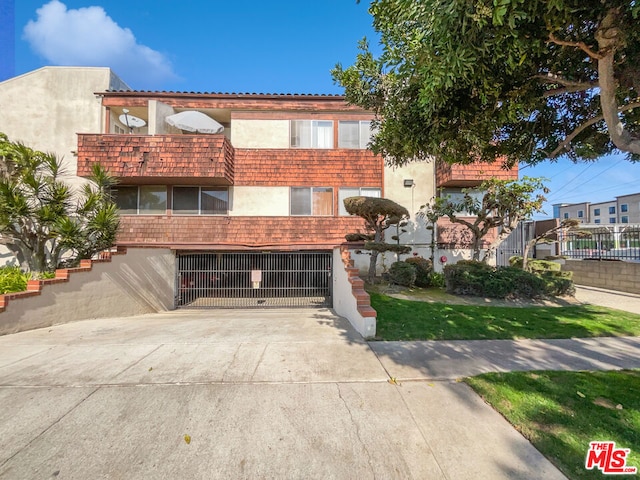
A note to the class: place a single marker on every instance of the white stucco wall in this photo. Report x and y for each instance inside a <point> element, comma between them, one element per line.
<point>141,281</point>
<point>260,133</point>
<point>260,201</point>
<point>158,112</point>
<point>46,108</point>
<point>344,303</point>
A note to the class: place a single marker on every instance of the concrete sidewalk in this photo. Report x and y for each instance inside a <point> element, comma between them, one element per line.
<point>237,394</point>
<point>629,302</point>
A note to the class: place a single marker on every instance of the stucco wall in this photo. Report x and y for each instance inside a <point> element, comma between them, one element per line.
<point>141,281</point>
<point>45,108</point>
<point>621,276</point>
<point>260,201</point>
<point>345,303</point>
<point>423,175</point>
<point>260,133</point>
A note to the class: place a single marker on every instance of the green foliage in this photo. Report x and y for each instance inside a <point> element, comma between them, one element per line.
<point>402,273</point>
<point>12,279</point>
<point>436,279</point>
<point>537,266</point>
<point>42,219</point>
<point>482,280</point>
<point>493,204</point>
<point>509,81</point>
<point>424,270</point>
<point>379,214</point>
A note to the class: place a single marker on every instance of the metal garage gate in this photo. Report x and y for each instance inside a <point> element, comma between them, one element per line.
<point>253,280</point>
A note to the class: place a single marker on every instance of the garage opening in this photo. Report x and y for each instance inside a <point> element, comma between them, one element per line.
<point>253,279</point>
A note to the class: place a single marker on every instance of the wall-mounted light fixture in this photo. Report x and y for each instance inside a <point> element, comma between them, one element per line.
<point>408,183</point>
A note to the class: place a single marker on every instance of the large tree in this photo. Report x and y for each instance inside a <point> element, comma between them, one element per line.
<point>494,204</point>
<point>43,221</point>
<point>514,80</point>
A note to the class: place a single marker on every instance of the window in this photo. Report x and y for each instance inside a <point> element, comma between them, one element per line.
<point>596,212</point>
<point>612,210</point>
<point>580,214</point>
<point>624,219</point>
<point>142,200</point>
<point>355,192</point>
<point>624,208</point>
<point>354,134</point>
<point>311,201</point>
<point>566,215</point>
<point>311,134</point>
<point>200,200</point>
<point>597,220</point>
<point>612,219</point>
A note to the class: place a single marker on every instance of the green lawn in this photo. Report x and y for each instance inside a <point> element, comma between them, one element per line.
<point>561,412</point>
<point>411,320</point>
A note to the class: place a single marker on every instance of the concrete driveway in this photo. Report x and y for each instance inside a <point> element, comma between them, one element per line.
<point>237,394</point>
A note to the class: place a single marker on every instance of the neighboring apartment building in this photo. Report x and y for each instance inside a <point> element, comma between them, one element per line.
<point>624,209</point>
<point>256,209</point>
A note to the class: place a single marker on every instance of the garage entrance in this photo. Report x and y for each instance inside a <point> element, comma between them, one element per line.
<point>253,280</point>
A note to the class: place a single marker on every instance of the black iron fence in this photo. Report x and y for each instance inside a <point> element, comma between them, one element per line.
<point>615,242</point>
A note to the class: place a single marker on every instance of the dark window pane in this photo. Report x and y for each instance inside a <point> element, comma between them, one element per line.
<point>185,200</point>
<point>214,201</point>
<point>126,199</point>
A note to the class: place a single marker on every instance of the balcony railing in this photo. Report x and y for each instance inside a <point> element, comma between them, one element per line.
<point>162,157</point>
<point>471,175</point>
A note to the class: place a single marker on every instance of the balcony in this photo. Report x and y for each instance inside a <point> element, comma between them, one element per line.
<point>186,159</point>
<point>471,175</point>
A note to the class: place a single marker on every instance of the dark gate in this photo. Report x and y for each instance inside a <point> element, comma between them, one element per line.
<point>253,280</point>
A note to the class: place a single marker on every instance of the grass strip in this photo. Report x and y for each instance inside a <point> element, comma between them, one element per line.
<point>561,412</point>
<point>410,320</point>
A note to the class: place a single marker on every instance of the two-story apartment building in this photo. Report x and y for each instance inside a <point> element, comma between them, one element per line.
<point>251,213</point>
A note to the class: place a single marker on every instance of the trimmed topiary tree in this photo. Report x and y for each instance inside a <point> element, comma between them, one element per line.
<point>378,214</point>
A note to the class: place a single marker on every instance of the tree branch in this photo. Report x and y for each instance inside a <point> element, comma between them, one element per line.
<point>581,45</point>
<point>565,143</point>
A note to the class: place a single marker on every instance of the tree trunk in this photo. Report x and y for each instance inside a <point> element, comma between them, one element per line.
<point>377,238</point>
<point>609,37</point>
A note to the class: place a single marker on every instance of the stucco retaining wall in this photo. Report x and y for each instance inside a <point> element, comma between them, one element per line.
<point>621,276</point>
<point>140,281</point>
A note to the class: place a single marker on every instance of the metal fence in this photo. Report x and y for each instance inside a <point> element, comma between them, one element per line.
<point>514,244</point>
<point>254,280</point>
<point>615,242</point>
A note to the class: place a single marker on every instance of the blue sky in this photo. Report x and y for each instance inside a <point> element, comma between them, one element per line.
<point>279,46</point>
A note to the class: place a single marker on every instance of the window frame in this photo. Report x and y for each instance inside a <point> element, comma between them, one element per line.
<point>360,191</point>
<point>596,212</point>
<point>200,213</point>
<point>362,143</point>
<point>624,208</point>
<point>313,131</point>
<point>624,219</point>
<point>612,210</point>
<point>580,213</point>
<point>311,191</point>
<point>138,196</point>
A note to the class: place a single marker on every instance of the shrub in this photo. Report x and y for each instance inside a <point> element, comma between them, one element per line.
<point>436,279</point>
<point>475,278</point>
<point>402,273</point>
<point>424,269</point>
<point>12,279</point>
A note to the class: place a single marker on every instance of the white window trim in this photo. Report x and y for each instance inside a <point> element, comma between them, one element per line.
<point>360,189</point>
<point>312,122</point>
<point>333,207</point>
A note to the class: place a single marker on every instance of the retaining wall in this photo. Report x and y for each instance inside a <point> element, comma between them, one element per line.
<point>124,283</point>
<point>612,275</point>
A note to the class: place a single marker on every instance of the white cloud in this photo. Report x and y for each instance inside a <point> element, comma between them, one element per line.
<point>89,37</point>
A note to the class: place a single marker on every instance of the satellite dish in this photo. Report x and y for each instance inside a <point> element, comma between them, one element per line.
<point>131,121</point>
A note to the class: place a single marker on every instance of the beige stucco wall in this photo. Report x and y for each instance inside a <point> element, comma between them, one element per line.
<point>158,112</point>
<point>260,133</point>
<point>259,201</point>
<point>141,281</point>
<point>46,108</point>
<point>423,175</point>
